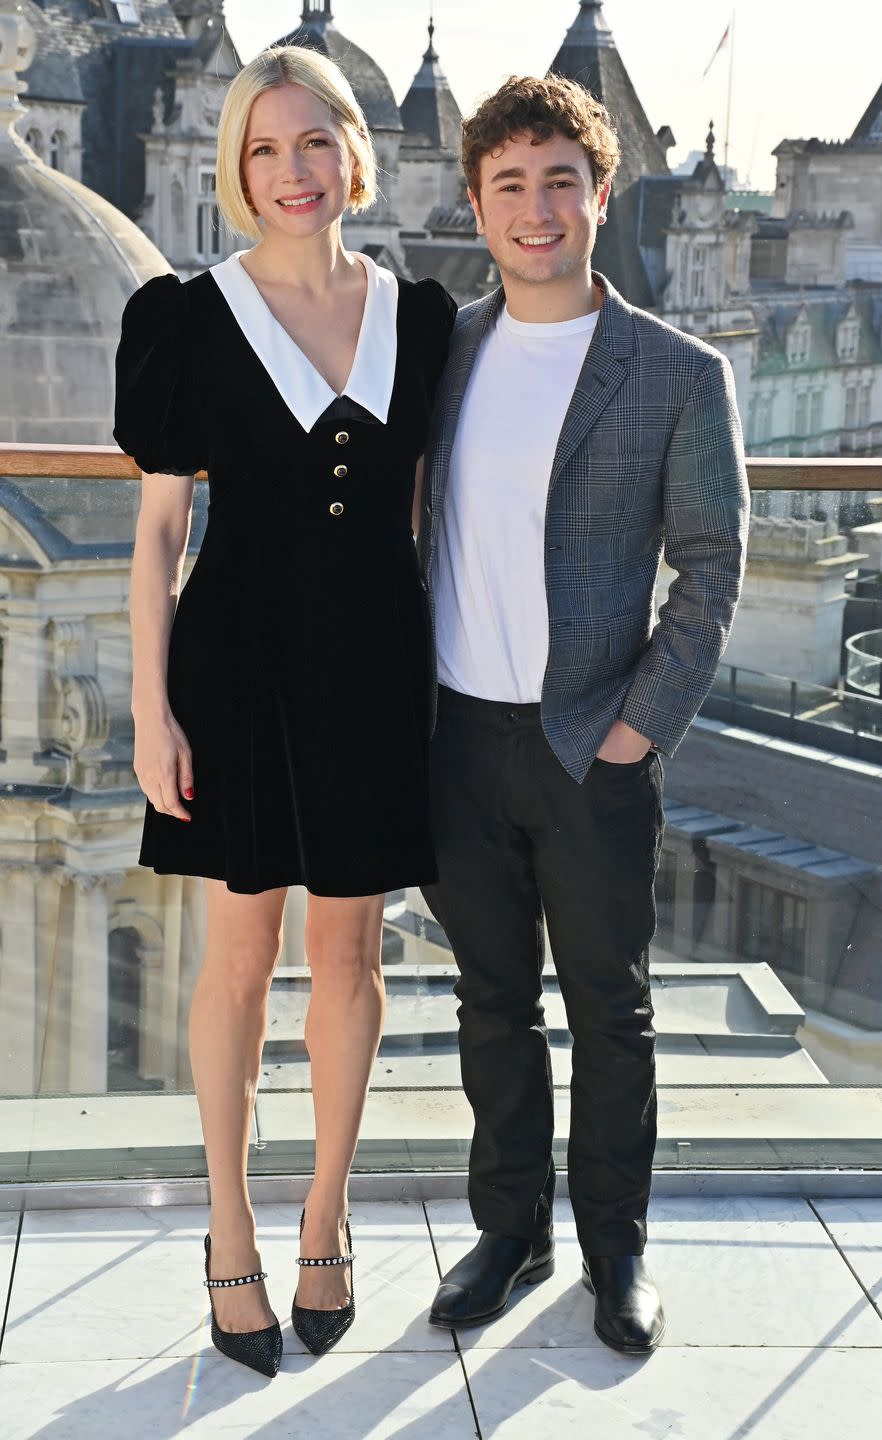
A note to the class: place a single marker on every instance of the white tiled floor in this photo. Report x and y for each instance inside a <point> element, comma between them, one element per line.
<point>771,1333</point>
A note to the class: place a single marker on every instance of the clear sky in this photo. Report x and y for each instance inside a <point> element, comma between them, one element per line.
<point>801,67</point>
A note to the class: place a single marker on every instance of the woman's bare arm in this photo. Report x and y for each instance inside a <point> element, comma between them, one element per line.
<point>162,755</point>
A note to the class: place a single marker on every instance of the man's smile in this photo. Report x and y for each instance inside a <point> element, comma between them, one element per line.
<point>538,242</point>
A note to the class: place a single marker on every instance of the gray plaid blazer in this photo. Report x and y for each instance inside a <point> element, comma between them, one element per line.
<point>650,460</point>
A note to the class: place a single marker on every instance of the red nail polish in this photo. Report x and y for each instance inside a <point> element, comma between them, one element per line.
<point>188,794</point>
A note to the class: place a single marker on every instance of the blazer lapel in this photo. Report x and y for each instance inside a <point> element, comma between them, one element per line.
<point>601,375</point>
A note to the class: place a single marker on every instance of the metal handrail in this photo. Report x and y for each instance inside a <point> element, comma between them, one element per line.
<point>106,462</point>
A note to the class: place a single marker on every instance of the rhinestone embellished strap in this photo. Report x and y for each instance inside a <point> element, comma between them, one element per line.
<point>337,1260</point>
<point>242,1280</point>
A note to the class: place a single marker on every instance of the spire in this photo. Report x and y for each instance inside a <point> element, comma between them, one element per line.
<point>707,171</point>
<point>431,53</point>
<point>430,75</point>
<point>429,109</point>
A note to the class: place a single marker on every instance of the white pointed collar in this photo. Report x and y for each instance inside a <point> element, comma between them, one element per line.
<point>306,393</point>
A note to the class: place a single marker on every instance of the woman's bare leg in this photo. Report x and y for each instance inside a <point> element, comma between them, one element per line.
<point>228,1020</point>
<point>344,1024</point>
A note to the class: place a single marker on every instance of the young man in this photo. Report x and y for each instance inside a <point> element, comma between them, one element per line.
<point>576,437</point>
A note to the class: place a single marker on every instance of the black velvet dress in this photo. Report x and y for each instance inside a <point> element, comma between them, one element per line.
<point>299,660</point>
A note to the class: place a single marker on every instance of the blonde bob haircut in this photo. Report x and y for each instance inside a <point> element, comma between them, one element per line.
<point>288,65</point>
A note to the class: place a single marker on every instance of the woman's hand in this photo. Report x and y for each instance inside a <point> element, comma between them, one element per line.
<point>163,762</point>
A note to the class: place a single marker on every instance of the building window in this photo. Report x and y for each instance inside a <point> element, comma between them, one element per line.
<point>125,11</point>
<point>177,211</point>
<point>847,339</point>
<point>684,273</point>
<point>771,926</point>
<point>816,421</point>
<point>57,149</point>
<point>864,410</point>
<point>849,419</point>
<point>798,342</point>
<point>34,138</point>
<point>208,223</point>
<point>801,413</point>
<point>698,287</point>
<point>762,418</point>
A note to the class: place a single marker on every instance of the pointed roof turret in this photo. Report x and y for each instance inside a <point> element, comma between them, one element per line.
<point>590,28</point>
<point>589,56</point>
<point>707,171</point>
<point>429,110</point>
<point>869,127</point>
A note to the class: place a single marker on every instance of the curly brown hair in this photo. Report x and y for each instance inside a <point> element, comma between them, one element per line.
<point>541,108</point>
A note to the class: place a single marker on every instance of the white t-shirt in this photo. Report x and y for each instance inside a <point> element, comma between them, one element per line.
<point>488,576</point>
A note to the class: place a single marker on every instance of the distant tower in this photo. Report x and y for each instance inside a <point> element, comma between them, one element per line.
<point>589,56</point>
<point>430,174</point>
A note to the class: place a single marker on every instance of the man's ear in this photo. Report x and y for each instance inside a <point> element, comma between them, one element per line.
<point>603,198</point>
<point>476,206</point>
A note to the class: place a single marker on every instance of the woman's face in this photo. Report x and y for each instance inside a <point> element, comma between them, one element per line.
<point>296,165</point>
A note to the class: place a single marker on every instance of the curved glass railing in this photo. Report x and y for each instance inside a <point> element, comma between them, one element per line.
<point>767,963</point>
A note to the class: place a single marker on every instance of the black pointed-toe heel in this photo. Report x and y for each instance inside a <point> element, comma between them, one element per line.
<point>321,1329</point>
<point>260,1350</point>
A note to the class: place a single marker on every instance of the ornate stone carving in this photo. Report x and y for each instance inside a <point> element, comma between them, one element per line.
<point>65,636</point>
<point>84,718</point>
<point>158,112</point>
<point>17,49</point>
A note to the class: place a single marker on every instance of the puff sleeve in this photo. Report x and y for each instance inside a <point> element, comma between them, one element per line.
<point>157,417</point>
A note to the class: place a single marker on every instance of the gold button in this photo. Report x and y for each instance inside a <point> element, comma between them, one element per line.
<point>336,508</point>
<point>340,471</point>
<point>342,437</point>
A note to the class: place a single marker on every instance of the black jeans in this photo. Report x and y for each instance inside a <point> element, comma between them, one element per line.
<point>516,836</point>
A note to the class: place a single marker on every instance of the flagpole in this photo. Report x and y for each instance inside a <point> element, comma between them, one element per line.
<point>729,95</point>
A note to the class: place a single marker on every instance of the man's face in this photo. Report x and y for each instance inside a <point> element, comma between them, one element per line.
<point>538,208</point>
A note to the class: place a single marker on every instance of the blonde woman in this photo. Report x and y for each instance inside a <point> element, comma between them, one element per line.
<point>281,702</point>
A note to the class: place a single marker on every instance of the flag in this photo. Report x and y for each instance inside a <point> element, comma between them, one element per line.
<point>718,49</point>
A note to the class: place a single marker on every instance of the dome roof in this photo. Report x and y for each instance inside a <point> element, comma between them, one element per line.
<point>69,262</point>
<point>372,90</point>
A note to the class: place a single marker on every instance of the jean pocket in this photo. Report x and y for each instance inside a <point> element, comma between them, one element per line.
<point>627,766</point>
